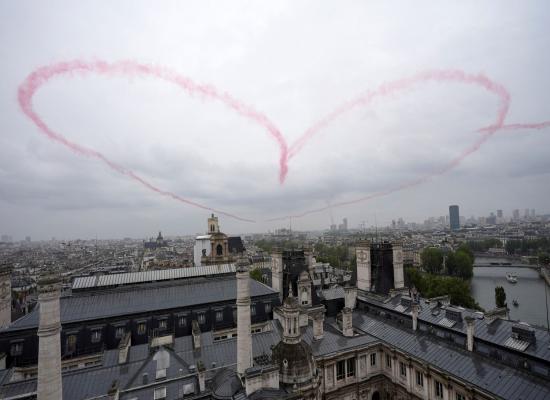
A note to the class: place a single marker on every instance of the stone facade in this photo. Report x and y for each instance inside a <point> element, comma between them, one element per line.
<point>5,295</point>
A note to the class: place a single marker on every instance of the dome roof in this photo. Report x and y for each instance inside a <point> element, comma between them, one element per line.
<point>295,361</point>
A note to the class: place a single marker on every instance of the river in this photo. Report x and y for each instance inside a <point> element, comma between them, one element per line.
<point>529,291</point>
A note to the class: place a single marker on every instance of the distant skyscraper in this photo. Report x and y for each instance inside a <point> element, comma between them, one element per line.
<point>526,214</point>
<point>516,215</point>
<point>345,223</point>
<point>532,213</point>
<point>499,214</point>
<point>454,217</point>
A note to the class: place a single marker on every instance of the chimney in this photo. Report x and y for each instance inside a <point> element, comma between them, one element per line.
<point>350,296</point>
<point>469,332</point>
<point>124,348</point>
<point>196,332</point>
<point>49,341</point>
<point>202,376</point>
<point>277,272</point>
<point>113,392</point>
<point>347,325</point>
<point>5,295</point>
<point>308,254</point>
<point>415,308</point>
<point>318,324</point>
<point>244,336</point>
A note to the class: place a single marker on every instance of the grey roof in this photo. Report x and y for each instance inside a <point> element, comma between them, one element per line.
<point>486,374</point>
<point>95,381</point>
<point>101,281</point>
<point>497,332</point>
<point>333,293</point>
<point>145,298</point>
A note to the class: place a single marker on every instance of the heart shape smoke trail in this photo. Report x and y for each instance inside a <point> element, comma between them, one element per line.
<point>42,75</point>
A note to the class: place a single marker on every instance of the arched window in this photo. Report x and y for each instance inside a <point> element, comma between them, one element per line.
<point>211,228</point>
<point>219,250</point>
<point>375,396</point>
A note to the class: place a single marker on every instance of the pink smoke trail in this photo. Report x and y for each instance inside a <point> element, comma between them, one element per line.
<point>390,88</point>
<point>44,74</point>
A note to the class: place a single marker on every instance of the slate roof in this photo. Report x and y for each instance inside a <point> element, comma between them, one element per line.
<point>144,298</point>
<point>486,374</point>
<point>496,332</point>
<point>96,381</point>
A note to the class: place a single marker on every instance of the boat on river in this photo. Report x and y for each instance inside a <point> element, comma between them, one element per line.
<point>511,277</point>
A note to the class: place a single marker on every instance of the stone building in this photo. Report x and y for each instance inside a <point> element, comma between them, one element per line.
<point>216,247</point>
<point>396,346</point>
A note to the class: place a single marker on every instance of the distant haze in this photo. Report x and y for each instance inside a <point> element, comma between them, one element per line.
<point>279,70</point>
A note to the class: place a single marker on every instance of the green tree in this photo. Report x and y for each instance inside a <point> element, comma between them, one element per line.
<point>464,267</point>
<point>432,260</point>
<point>500,297</point>
<point>465,248</point>
<point>256,274</point>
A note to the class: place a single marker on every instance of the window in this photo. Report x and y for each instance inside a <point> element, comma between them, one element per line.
<point>71,343</point>
<point>267,308</point>
<point>219,316</point>
<point>438,390</point>
<point>419,378</point>
<point>96,335</point>
<point>402,369</point>
<point>373,359</point>
<point>119,332</point>
<point>141,328</point>
<point>160,393</point>
<point>340,370</point>
<point>219,250</point>
<point>16,349</point>
<point>252,310</point>
<point>182,321</point>
<point>163,323</point>
<point>460,397</point>
<point>201,318</point>
<point>350,367</point>
<point>388,361</point>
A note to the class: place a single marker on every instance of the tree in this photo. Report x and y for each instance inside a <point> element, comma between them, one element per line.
<point>464,267</point>
<point>256,274</point>
<point>500,297</point>
<point>432,260</point>
<point>466,249</point>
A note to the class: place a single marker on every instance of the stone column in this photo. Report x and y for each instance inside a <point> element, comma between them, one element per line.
<point>308,254</point>
<point>244,336</point>
<point>470,333</point>
<point>5,295</point>
<point>49,342</point>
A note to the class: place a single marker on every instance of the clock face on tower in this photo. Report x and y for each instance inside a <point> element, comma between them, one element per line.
<point>361,256</point>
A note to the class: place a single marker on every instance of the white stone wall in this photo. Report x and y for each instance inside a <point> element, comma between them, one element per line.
<point>363,268</point>
<point>201,244</point>
<point>277,273</point>
<point>5,300</point>
<point>398,280</point>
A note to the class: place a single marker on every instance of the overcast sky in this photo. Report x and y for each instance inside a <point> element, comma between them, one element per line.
<point>295,62</point>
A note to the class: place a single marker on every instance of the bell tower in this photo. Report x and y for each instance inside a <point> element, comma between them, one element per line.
<point>213,226</point>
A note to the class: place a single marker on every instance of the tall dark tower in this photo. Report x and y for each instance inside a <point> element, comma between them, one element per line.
<point>454,218</point>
